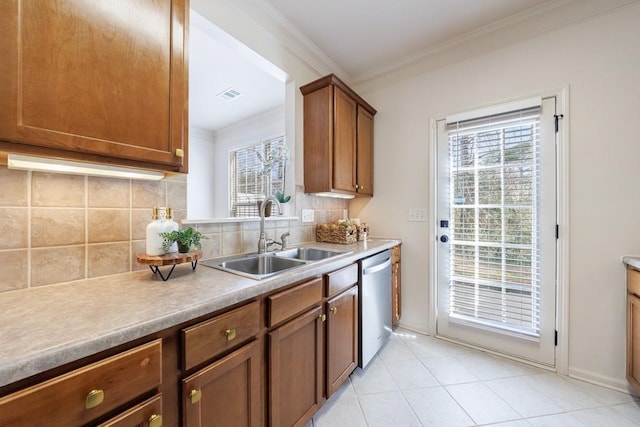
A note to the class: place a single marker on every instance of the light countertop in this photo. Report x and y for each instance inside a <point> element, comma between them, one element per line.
<point>632,261</point>
<point>46,327</point>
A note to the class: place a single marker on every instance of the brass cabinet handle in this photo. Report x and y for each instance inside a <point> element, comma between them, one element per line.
<point>333,310</point>
<point>230,334</point>
<point>195,396</point>
<point>322,317</point>
<point>93,399</point>
<point>179,152</point>
<point>155,420</point>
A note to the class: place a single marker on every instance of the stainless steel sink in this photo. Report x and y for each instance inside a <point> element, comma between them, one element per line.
<point>308,254</point>
<point>254,266</point>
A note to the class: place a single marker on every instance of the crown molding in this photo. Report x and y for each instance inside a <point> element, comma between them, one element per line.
<point>547,17</point>
<point>287,34</point>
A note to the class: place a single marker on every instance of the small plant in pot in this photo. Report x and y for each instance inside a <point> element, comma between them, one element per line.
<point>186,238</point>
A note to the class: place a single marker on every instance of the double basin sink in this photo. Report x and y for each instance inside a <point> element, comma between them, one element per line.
<point>260,266</point>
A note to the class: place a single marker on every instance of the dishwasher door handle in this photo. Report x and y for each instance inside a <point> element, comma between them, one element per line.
<point>376,268</point>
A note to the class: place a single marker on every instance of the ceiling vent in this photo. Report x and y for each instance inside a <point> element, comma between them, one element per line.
<point>229,94</point>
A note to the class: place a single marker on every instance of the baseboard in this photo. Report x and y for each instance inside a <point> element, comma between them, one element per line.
<point>413,328</point>
<point>602,380</point>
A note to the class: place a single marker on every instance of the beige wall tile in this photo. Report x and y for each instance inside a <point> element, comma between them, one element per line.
<point>108,225</point>
<point>140,218</point>
<point>14,270</point>
<point>232,243</point>
<point>250,239</point>
<point>147,194</point>
<point>14,187</point>
<point>57,190</point>
<point>177,195</point>
<point>211,246</point>
<point>108,258</point>
<point>57,265</point>
<point>138,247</point>
<point>14,228</point>
<point>108,192</point>
<point>55,227</point>
<point>208,228</point>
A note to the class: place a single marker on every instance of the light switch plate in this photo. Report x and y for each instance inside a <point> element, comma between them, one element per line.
<point>418,214</point>
<point>307,215</point>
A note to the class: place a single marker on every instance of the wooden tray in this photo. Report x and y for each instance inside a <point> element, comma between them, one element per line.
<point>173,259</point>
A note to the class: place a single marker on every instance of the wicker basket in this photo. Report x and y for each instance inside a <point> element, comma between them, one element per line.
<point>336,233</point>
<point>363,231</point>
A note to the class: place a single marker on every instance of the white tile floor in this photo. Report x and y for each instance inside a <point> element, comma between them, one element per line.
<point>416,380</point>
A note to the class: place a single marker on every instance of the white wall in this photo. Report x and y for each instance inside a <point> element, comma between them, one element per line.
<point>201,179</point>
<point>599,59</point>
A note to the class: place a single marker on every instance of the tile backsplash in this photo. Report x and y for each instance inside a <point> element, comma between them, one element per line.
<point>59,228</point>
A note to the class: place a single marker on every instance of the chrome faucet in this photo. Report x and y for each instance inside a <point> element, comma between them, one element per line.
<point>262,241</point>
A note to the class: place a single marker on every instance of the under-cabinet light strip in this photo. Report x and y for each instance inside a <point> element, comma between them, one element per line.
<point>41,164</point>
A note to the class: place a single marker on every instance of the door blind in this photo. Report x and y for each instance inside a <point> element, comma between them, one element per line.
<point>494,203</point>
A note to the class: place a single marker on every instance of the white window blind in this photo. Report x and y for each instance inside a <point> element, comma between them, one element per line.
<point>494,200</point>
<point>255,172</point>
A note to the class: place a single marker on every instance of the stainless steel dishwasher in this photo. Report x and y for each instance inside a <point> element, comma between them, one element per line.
<point>375,305</point>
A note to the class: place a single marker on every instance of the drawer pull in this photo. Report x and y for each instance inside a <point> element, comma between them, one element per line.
<point>179,152</point>
<point>230,334</point>
<point>195,396</point>
<point>93,399</point>
<point>333,310</point>
<point>322,317</point>
<point>155,420</point>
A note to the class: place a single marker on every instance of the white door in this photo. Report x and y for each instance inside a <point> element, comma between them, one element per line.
<point>496,247</point>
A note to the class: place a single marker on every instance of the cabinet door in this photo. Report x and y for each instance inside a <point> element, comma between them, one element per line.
<point>633,340</point>
<point>342,338</point>
<point>364,159</point>
<point>296,370</point>
<point>344,143</point>
<point>227,392</point>
<point>98,80</point>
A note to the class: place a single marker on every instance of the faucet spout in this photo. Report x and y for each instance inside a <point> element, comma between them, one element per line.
<point>262,241</point>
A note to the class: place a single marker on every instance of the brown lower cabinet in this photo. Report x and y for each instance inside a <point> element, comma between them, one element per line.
<point>86,394</point>
<point>227,392</point>
<point>295,369</point>
<point>342,338</point>
<point>272,360</point>
<point>633,328</point>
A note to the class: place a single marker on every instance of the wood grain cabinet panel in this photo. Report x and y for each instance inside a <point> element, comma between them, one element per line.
<point>339,280</point>
<point>633,328</point>
<point>226,393</point>
<point>96,80</point>
<point>207,340</point>
<point>283,305</point>
<point>146,414</point>
<point>396,285</point>
<point>342,338</point>
<point>296,367</point>
<point>88,393</point>
<point>338,139</point>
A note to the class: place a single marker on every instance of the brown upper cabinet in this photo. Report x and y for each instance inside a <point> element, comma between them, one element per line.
<point>98,81</point>
<point>338,139</point>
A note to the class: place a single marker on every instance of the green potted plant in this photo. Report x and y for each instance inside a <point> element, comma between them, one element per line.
<point>185,238</point>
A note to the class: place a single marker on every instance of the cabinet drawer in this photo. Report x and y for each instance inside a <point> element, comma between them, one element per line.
<point>148,413</point>
<point>87,393</point>
<point>293,301</point>
<point>342,279</point>
<point>633,281</point>
<point>208,339</point>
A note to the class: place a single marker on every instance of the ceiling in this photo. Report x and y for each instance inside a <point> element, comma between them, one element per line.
<point>361,37</point>
<point>218,62</point>
<point>366,37</point>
